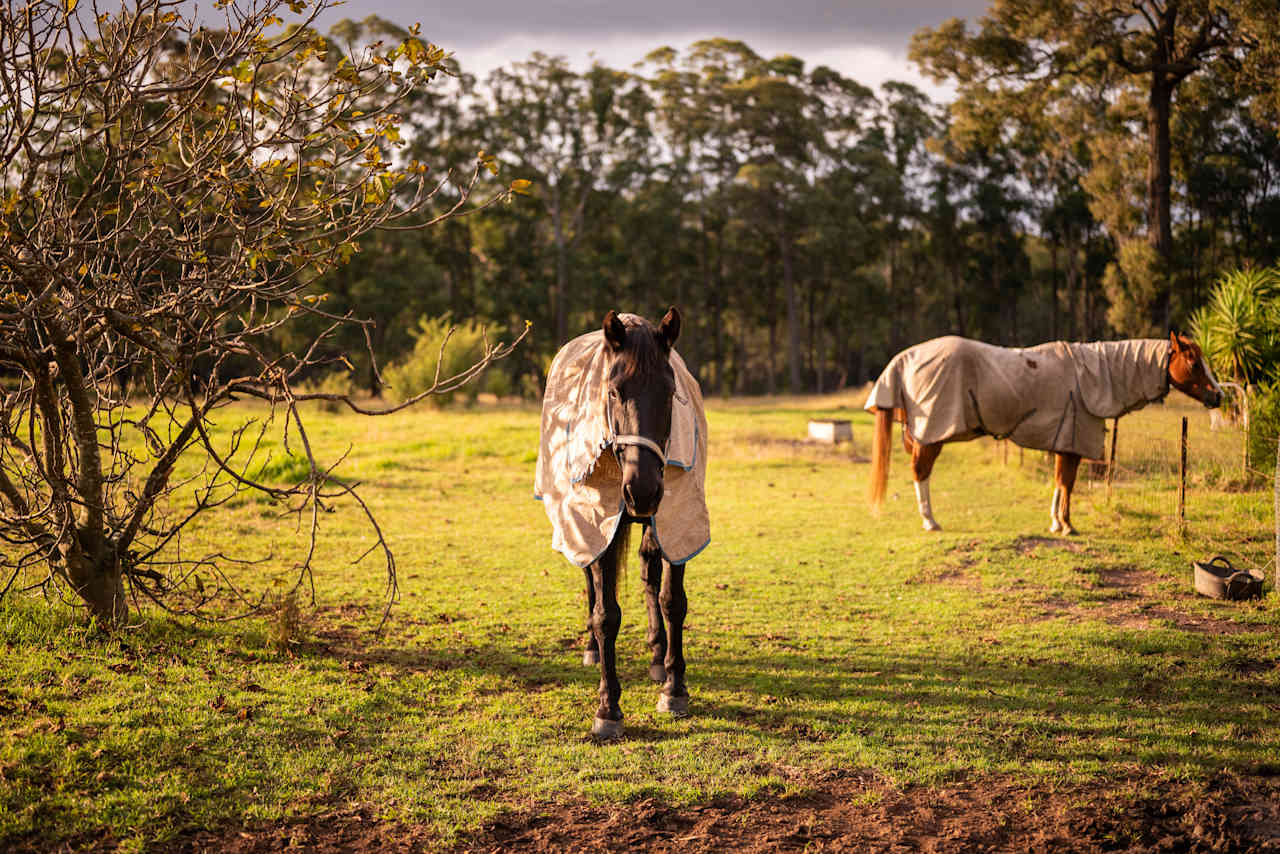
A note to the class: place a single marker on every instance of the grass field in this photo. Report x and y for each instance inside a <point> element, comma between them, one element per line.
<point>819,638</point>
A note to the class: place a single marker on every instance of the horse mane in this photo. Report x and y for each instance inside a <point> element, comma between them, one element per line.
<point>642,357</point>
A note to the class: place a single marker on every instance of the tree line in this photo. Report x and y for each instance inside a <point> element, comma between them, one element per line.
<point>810,226</point>
<point>192,214</point>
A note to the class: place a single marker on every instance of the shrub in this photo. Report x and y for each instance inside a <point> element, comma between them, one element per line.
<point>1264,427</point>
<point>334,382</point>
<point>1239,327</point>
<point>417,372</point>
<point>498,383</point>
<point>1239,331</point>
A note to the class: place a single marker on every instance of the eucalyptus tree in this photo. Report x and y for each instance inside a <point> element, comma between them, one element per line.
<point>776,127</point>
<point>167,193</point>
<point>1230,167</point>
<point>693,119</point>
<point>895,166</point>
<point>404,273</point>
<point>573,135</point>
<point>1028,58</point>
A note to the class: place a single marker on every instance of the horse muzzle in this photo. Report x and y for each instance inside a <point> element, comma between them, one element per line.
<point>642,500</point>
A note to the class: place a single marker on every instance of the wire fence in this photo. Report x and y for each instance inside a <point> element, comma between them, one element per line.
<point>1222,502</point>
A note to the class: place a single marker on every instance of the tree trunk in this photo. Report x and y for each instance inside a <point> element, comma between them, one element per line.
<point>771,381</point>
<point>99,583</point>
<point>562,288</point>
<point>1159,184</point>
<point>1053,289</point>
<point>715,286</point>
<point>1159,174</point>
<point>794,330</point>
<point>560,292</point>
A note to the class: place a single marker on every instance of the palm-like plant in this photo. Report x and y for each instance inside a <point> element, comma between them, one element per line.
<point>1239,328</point>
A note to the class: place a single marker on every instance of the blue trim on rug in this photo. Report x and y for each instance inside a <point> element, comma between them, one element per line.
<point>684,560</point>
<point>696,433</point>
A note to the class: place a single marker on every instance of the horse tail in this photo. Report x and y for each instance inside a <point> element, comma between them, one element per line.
<point>880,453</point>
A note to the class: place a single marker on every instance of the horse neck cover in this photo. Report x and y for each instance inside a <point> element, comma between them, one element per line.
<point>1052,397</point>
<point>580,485</point>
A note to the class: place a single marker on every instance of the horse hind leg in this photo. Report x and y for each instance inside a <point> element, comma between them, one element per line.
<point>656,636</point>
<point>922,459</point>
<point>1064,481</point>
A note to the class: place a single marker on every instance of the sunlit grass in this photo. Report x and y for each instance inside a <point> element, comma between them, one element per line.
<point>819,636</point>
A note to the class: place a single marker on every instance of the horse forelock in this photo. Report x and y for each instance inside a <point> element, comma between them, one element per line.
<point>642,358</point>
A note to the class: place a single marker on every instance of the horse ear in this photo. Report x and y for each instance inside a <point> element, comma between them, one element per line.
<point>1175,341</point>
<point>669,329</point>
<point>614,332</point>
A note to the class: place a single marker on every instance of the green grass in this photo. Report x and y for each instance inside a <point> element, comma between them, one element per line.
<point>818,637</point>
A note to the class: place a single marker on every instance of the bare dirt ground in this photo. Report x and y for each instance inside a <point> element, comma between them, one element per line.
<point>1228,813</point>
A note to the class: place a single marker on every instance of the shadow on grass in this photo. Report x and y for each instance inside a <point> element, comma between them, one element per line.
<point>1116,700</point>
<point>1155,697</point>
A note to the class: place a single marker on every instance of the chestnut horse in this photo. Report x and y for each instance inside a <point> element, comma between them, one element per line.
<point>1026,419</point>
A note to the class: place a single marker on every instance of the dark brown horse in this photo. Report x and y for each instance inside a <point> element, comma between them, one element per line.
<point>608,459</point>
<point>1053,397</point>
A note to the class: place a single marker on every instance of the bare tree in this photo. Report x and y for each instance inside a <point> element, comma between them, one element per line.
<point>167,193</point>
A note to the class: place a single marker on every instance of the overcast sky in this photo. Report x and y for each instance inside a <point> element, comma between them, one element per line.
<point>862,39</point>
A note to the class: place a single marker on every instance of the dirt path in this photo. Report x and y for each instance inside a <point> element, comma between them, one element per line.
<point>1227,814</point>
<point>839,813</point>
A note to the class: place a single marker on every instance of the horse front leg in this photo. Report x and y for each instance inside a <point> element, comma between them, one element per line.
<point>606,618</point>
<point>922,459</point>
<point>591,652</point>
<point>1064,481</point>
<point>675,605</point>
<point>656,637</point>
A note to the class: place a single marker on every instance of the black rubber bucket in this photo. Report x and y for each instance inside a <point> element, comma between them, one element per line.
<point>1218,579</point>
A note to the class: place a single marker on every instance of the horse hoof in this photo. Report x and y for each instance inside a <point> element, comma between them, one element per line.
<point>677,707</point>
<point>606,730</point>
<point>1055,528</point>
<point>590,658</point>
<point>658,673</point>
<point>930,525</point>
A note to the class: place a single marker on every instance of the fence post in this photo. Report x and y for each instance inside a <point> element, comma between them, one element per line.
<point>1111,460</point>
<point>1182,481</point>
<point>1244,454</point>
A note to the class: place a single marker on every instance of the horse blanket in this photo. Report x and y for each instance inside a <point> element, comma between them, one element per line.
<point>580,485</point>
<point>1052,397</point>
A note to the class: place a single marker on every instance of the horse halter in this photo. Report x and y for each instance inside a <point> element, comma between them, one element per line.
<point>643,442</point>
<point>624,439</point>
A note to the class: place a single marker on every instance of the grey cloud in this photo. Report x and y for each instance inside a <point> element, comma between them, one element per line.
<point>805,22</point>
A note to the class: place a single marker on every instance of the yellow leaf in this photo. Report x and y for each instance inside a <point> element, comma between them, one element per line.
<point>71,5</point>
<point>84,268</point>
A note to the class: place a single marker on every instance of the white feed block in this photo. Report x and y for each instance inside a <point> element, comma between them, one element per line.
<point>831,431</point>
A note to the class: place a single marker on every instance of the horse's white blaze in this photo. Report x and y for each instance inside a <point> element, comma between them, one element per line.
<point>926,507</point>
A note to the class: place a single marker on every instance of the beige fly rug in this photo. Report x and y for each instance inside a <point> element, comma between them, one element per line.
<point>577,475</point>
<point>1052,397</point>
